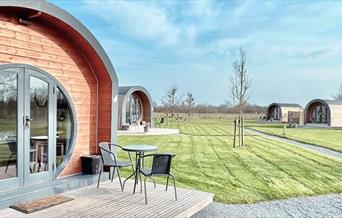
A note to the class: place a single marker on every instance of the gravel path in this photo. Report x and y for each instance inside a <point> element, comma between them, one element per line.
<point>315,148</point>
<point>318,206</point>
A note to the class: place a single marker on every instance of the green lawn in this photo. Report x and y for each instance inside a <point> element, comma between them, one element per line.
<point>329,138</point>
<point>262,170</point>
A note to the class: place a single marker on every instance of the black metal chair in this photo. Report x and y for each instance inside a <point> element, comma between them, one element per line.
<point>161,121</point>
<point>161,166</point>
<point>109,160</point>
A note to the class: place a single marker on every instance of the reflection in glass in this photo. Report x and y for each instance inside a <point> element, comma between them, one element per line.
<point>39,111</point>
<point>133,110</point>
<point>276,114</point>
<point>64,127</point>
<point>8,125</point>
<point>320,114</point>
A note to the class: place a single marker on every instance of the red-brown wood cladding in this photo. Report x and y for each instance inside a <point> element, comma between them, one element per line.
<point>58,49</point>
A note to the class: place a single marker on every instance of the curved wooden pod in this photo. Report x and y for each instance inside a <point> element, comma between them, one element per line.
<point>287,113</point>
<point>333,112</point>
<point>144,97</point>
<point>43,35</point>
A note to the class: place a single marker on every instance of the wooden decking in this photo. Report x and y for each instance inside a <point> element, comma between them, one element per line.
<point>109,201</point>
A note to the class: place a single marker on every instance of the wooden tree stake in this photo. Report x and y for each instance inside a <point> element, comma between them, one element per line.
<point>242,131</point>
<point>235,123</point>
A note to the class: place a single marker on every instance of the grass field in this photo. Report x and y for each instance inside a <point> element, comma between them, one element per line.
<point>262,170</point>
<point>329,138</point>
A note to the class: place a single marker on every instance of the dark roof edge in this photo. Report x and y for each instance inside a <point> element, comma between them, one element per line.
<point>326,101</point>
<point>59,13</point>
<point>124,90</point>
<point>286,105</point>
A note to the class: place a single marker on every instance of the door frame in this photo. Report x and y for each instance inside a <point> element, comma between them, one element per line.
<point>29,178</point>
<point>18,181</point>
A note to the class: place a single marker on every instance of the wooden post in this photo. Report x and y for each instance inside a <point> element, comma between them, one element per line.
<point>242,131</point>
<point>234,143</point>
<point>177,119</point>
<point>239,125</point>
<point>284,129</point>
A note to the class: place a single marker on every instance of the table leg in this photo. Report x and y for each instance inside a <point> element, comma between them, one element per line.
<point>134,173</point>
<point>130,176</point>
<point>137,168</point>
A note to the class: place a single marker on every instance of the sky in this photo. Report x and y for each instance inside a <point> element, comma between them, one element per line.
<point>294,48</point>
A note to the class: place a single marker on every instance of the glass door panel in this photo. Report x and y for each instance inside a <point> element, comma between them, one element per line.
<point>38,122</point>
<point>38,127</point>
<point>8,124</point>
<point>64,127</point>
<point>27,127</point>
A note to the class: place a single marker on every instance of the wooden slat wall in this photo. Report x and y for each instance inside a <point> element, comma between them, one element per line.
<point>75,65</point>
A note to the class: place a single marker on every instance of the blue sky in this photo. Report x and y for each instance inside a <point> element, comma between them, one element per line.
<point>294,48</point>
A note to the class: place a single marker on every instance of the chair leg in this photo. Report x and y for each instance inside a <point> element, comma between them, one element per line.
<point>145,190</point>
<point>7,167</point>
<point>140,183</point>
<point>130,158</point>
<point>154,182</point>
<point>113,174</point>
<point>174,184</point>
<point>167,182</point>
<point>117,170</point>
<point>9,159</point>
<point>98,181</point>
<point>39,166</point>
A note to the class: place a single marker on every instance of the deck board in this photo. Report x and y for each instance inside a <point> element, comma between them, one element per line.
<point>109,201</point>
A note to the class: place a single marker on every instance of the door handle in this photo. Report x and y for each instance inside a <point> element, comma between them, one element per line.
<point>27,122</point>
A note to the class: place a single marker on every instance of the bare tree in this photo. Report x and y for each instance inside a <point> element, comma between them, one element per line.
<point>171,101</point>
<point>189,103</point>
<point>239,85</point>
<point>338,95</point>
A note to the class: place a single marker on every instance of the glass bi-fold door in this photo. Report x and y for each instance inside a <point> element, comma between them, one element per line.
<point>27,131</point>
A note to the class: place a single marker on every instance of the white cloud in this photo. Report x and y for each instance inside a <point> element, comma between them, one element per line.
<point>199,40</point>
<point>136,18</point>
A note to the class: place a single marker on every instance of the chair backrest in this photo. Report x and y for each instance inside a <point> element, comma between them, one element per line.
<point>161,163</point>
<point>12,147</point>
<point>108,157</point>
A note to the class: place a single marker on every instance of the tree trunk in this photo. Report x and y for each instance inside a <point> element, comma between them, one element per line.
<point>240,117</point>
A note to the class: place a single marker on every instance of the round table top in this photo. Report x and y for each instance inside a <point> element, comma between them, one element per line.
<point>42,137</point>
<point>139,148</point>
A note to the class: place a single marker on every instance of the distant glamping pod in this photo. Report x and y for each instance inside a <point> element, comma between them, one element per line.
<point>321,112</point>
<point>285,113</point>
<point>135,107</point>
<point>58,93</point>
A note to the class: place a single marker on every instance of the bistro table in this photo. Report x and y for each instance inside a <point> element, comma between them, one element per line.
<point>139,150</point>
<point>38,151</point>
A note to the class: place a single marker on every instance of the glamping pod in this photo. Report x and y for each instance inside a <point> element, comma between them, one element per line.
<point>58,93</point>
<point>285,113</point>
<point>324,113</point>
<point>135,107</point>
